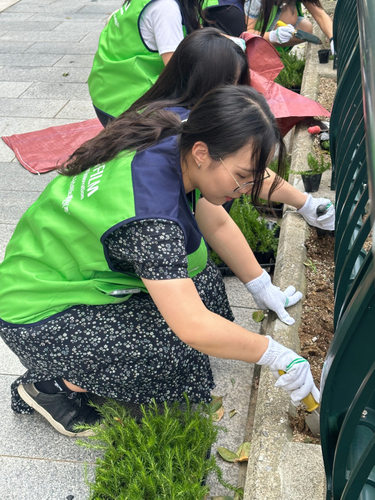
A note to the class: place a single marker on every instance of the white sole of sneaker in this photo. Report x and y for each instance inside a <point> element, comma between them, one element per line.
<point>31,402</point>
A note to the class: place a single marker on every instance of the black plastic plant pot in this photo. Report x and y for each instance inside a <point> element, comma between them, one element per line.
<point>273,211</point>
<point>265,258</point>
<point>311,182</point>
<point>323,55</point>
<point>297,90</point>
<point>321,233</point>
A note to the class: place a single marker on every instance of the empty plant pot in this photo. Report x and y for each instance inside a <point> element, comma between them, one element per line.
<point>323,56</point>
<point>311,182</point>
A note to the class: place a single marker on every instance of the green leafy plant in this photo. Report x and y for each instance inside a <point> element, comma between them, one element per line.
<point>163,456</point>
<point>291,75</point>
<point>253,226</point>
<point>316,166</point>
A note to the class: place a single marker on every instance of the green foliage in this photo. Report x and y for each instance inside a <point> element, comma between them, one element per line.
<point>316,166</point>
<point>273,166</point>
<point>291,75</point>
<point>253,226</point>
<point>164,456</point>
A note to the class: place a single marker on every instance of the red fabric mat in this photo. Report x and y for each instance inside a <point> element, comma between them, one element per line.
<point>44,150</point>
<point>265,64</point>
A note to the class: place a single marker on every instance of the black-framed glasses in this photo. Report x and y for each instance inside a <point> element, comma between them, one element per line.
<point>242,186</point>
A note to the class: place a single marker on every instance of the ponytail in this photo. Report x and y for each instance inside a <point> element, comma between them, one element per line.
<point>134,132</point>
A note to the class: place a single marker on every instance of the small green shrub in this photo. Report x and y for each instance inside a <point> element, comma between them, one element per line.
<point>164,456</point>
<point>316,166</point>
<point>253,226</point>
<point>291,75</point>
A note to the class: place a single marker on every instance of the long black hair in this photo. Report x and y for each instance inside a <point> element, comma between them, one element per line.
<point>268,5</point>
<point>191,10</point>
<point>202,61</point>
<point>226,119</point>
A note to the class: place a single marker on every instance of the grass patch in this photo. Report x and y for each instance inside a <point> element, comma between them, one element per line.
<point>163,456</point>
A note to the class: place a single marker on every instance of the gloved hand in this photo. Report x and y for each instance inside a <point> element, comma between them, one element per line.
<point>297,380</point>
<point>309,213</point>
<point>332,45</point>
<point>282,34</point>
<point>269,296</point>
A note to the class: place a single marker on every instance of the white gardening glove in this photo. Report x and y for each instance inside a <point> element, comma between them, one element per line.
<point>312,217</point>
<point>269,296</point>
<point>332,45</point>
<point>282,34</point>
<point>297,380</point>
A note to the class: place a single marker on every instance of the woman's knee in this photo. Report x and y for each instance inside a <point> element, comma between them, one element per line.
<point>305,25</point>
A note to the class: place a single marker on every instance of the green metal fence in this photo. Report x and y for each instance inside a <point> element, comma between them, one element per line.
<point>348,380</point>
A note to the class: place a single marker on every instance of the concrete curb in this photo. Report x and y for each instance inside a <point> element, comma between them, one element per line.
<point>279,469</point>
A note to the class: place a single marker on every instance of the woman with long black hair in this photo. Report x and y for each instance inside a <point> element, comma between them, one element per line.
<point>106,285</point>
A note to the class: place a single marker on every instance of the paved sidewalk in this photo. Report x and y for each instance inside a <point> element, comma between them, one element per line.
<point>40,41</point>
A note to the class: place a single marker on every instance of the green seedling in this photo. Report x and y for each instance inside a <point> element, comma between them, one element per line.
<point>315,166</point>
<point>309,263</point>
<point>291,75</point>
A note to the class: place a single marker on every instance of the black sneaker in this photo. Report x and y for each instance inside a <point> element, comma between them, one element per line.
<point>63,411</point>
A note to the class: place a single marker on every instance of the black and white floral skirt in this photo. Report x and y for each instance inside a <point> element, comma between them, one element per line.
<point>122,351</point>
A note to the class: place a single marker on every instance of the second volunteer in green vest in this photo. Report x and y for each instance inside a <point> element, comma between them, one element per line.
<point>134,47</point>
<point>106,286</point>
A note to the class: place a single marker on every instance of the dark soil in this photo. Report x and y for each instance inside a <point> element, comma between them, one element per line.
<point>316,330</point>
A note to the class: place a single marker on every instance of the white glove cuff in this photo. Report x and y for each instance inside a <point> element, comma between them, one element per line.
<point>273,37</point>
<point>306,207</point>
<point>273,350</point>
<point>259,283</point>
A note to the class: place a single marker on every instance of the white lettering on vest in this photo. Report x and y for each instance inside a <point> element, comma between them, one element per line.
<point>94,180</point>
<point>68,199</point>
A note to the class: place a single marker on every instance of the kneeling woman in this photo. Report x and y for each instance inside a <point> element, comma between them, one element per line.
<point>106,285</point>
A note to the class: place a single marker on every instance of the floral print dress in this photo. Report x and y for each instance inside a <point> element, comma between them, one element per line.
<point>124,351</point>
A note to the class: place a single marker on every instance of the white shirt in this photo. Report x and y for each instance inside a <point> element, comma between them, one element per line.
<point>161,26</point>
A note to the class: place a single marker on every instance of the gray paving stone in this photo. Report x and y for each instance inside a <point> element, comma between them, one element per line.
<point>6,231</point>
<point>30,107</point>
<point>48,75</point>
<point>15,125</point>
<point>48,36</point>
<point>6,154</point>
<point>14,177</point>
<point>10,47</point>
<point>74,16</point>
<point>32,435</point>
<point>42,479</point>
<point>13,89</point>
<point>100,8</point>
<point>44,48</point>
<point>81,25</point>
<point>75,60</point>
<point>13,205</point>
<point>57,91</point>
<point>57,8</point>
<point>12,16</point>
<point>237,293</point>
<point>9,363</point>
<point>29,59</point>
<point>82,110</point>
<point>31,26</point>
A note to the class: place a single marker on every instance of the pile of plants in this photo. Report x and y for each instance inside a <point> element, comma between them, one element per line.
<point>290,76</point>
<point>260,234</point>
<point>165,455</point>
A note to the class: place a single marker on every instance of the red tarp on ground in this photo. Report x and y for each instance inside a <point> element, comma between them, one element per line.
<point>43,150</point>
<point>288,107</point>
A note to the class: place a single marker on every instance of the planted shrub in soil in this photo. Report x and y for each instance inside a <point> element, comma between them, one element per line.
<point>261,235</point>
<point>290,76</point>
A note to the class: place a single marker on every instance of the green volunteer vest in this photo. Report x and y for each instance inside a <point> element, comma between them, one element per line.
<point>56,257</point>
<point>124,68</point>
